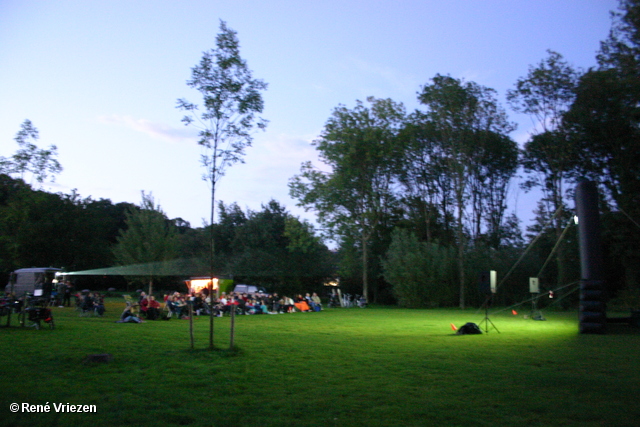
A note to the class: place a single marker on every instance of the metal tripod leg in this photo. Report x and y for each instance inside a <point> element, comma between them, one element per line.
<point>535,313</point>
<point>486,322</point>
<point>486,319</point>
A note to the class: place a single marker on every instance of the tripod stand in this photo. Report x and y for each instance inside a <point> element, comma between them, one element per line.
<point>486,319</point>
<point>536,314</point>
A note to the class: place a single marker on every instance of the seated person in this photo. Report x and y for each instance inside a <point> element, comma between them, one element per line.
<point>231,304</point>
<point>243,303</point>
<point>172,306</point>
<point>199,306</point>
<point>153,308</point>
<point>144,304</point>
<point>98,304</point>
<point>179,305</point>
<point>128,316</point>
<point>87,302</point>
<point>301,304</point>
<point>274,301</point>
<point>287,304</point>
<point>316,301</point>
<point>263,306</point>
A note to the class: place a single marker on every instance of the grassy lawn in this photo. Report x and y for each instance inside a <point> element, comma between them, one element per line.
<point>339,367</point>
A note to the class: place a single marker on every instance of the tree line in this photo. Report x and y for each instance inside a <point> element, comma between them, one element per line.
<point>269,247</point>
<point>417,201</point>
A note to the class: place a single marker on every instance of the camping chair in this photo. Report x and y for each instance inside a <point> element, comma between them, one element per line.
<point>168,310</point>
<point>87,307</point>
<point>129,302</point>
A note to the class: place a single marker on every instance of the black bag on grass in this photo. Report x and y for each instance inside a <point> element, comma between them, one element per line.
<point>469,328</point>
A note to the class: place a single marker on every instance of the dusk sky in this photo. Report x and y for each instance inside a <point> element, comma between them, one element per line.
<point>100,80</point>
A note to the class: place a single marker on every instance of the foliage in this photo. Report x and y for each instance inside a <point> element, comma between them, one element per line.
<point>549,156</point>
<point>420,273</point>
<point>41,163</point>
<point>149,239</point>
<point>546,93</point>
<point>272,248</point>
<point>605,117</point>
<point>465,117</point>
<point>38,228</point>
<point>359,146</point>
<point>604,126</point>
<point>230,99</point>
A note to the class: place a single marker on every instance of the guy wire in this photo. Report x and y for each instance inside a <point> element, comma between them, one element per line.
<point>564,232</point>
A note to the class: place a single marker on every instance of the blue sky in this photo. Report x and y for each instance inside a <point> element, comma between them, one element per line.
<point>100,80</point>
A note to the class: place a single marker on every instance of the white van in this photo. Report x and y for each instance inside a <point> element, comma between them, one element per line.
<point>248,289</point>
<point>36,281</point>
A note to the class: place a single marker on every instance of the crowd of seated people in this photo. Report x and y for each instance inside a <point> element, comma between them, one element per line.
<point>91,303</point>
<point>266,303</point>
<point>176,305</point>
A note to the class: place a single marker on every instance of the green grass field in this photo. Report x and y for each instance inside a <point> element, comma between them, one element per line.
<point>339,367</point>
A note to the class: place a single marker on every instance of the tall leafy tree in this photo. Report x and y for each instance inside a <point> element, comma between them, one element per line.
<point>428,184</point>
<point>358,145</point>
<point>427,189</point>
<point>231,100</point>
<point>41,163</point>
<point>605,117</point>
<point>493,167</point>
<point>604,124</point>
<point>546,94</point>
<point>465,117</point>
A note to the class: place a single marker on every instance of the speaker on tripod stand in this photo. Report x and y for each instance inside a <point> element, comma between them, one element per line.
<point>534,289</point>
<point>487,284</point>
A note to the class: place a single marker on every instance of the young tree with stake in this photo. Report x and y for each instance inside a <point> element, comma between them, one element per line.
<point>231,100</point>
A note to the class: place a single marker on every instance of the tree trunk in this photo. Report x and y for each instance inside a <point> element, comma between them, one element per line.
<point>461,256</point>
<point>365,268</point>
<point>232,308</point>
<point>191,321</point>
<point>211,257</point>
<point>460,187</point>
<point>211,314</point>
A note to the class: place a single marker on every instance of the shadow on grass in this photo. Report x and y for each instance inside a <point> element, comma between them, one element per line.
<point>216,351</point>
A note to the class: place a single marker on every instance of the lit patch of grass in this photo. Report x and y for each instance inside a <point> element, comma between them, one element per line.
<point>340,367</point>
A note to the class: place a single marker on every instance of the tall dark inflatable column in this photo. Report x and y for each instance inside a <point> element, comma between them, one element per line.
<point>593,308</point>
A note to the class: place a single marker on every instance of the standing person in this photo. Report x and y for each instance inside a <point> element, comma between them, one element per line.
<point>68,290</point>
<point>59,293</point>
